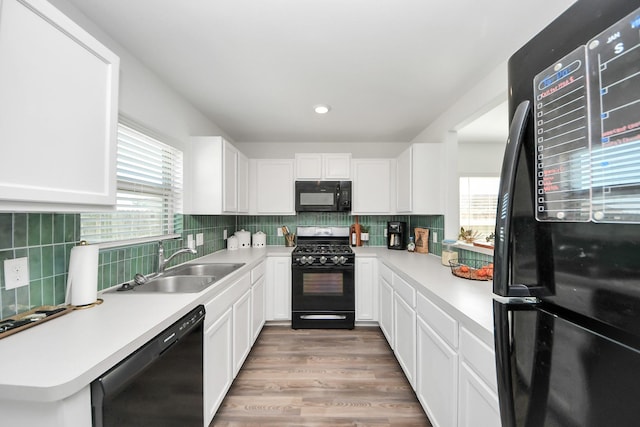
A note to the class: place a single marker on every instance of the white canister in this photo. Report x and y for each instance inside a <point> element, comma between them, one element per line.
<point>232,243</point>
<point>259,239</point>
<point>244,238</point>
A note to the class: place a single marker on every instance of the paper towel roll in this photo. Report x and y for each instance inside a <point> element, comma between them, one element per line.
<point>82,284</point>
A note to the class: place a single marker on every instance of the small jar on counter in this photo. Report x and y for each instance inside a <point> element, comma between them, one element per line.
<point>411,247</point>
<point>448,254</point>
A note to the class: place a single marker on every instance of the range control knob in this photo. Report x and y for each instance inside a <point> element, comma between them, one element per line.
<point>342,260</point>
<point>335,259</point>
<point>310,260</point>
<point>323,259</point>
<point>302,260</point>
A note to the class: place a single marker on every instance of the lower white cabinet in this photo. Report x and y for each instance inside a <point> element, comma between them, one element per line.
<point>278,298</point>
<point>436,376</point>
<point>218,362</point>
<point>242,331</point>
<point>478,404</point>
<point>385,310</point>
<point>478,398</point>
<point>404,321</point>
<point>366,288</point>
<point>257,307</point>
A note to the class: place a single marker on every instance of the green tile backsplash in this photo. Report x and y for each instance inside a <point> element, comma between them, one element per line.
<point>46,239</point>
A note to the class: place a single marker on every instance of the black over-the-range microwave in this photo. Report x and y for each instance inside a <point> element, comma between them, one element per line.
<point>323,196</point>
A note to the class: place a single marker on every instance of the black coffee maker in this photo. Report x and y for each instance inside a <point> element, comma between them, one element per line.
<point>397,235</point>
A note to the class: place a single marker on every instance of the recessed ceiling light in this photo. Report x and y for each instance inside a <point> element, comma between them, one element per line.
<point>321,109</point>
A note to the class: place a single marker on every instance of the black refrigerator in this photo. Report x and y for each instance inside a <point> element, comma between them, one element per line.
<point>567,252</point>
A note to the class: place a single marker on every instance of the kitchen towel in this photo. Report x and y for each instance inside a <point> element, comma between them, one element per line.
<point>82,284</point>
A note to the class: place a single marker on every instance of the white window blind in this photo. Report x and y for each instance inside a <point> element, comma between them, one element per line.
<point>478,203</point>
<point>149,192</point>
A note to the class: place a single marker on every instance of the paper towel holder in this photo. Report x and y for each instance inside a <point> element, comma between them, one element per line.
<point>78,298</point>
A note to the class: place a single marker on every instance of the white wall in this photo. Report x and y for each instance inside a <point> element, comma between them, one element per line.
<point>480,158</point>
<point>144,97</point>
<point>286,150</point>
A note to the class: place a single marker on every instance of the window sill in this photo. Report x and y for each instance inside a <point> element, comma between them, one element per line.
<point>470,247</point>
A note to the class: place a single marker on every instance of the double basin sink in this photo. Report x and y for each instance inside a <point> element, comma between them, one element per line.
<point>187,278</point>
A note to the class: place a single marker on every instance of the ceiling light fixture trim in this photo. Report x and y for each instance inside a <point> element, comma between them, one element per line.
<point>322,108</point>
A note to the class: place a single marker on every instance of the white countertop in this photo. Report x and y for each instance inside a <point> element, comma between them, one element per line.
<point>54,360</point>
<point>470,300</point>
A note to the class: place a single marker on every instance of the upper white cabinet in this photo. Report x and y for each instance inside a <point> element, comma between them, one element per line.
<point>325,166</point>
<point>219,177</point>
<point>272,187</point>
<point>58,112</point>
<point>419,180</point>
<point>372,184</point>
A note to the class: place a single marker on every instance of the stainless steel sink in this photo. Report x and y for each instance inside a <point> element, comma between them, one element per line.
<point>218,270</point>
<point>188,278</point>
<point>176,284</point>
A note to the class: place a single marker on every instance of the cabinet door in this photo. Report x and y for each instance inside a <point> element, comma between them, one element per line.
<point>58,111</point>
<point>278,288</point>
<point>436,376</point>
<point>218,362</point>
<point>229,178</point>
<point>336,166</point>
<point>386,310</point>
<point>308,166</point>
<point>371,186</point>
<point>427,195</point>
<point>478,404</point>
<point>242,331</point>
<point>258,307</point>
<point>243,183</point>
<point>405,337</point>
<point>404,181</point>
<point>275,187</point>
<point>366,289</point>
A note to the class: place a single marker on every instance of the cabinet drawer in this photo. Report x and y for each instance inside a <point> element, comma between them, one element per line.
<point>221,302</point>
<point>386,273</point>
<point>405,290</point>
<point>444,325</point>
<point>479,356</point>
<point>258,272</point>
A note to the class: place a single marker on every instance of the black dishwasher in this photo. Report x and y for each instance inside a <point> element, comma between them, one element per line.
<point>159,385</point>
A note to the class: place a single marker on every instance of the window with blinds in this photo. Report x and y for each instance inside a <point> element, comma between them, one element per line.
<point>478,203</point>
<point>149,192</point>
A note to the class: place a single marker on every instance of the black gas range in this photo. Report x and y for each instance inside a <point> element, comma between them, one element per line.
<point>322,273</point>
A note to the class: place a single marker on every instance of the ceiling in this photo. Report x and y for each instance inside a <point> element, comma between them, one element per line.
<point>387,68</point>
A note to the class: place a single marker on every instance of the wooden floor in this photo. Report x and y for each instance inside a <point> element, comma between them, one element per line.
<point>318,377</point>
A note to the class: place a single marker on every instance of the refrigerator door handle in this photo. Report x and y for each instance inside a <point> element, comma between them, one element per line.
<point>501,284</point>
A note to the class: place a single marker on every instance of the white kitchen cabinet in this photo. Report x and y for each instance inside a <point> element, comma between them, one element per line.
<point>272,187</point>
<point>258,299</point>
<point>218,362</point>
<point>243,183</point>
<point>257,307</point>
<point>404,322</point>
<point>323,166</point>
<point>418,180</point>
<point>58,112</point>
<point>372,184</point>
<point>219,177</point>
<point>242,330</point>
<point>478,398</point>
<point>366,289</point>
<point>385,307</point>
<point>278,283</point>
<point>436,376</point>
<point>478,404</point>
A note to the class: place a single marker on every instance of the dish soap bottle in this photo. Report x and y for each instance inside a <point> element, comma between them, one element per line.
<point>411,246</point>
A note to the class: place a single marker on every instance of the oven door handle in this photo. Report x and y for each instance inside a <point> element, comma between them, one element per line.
<point>321,267</point>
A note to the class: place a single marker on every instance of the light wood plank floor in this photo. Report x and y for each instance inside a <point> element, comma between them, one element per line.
<point>316,377</point>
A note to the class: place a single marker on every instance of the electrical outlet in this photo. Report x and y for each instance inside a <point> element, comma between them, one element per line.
<point>385,232</point>
<point>199,239</point>
<point>16,272</point>
<point>279,231</point>
<point>224,234</point>
<point>190,242</point>
<point>435,237</point>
